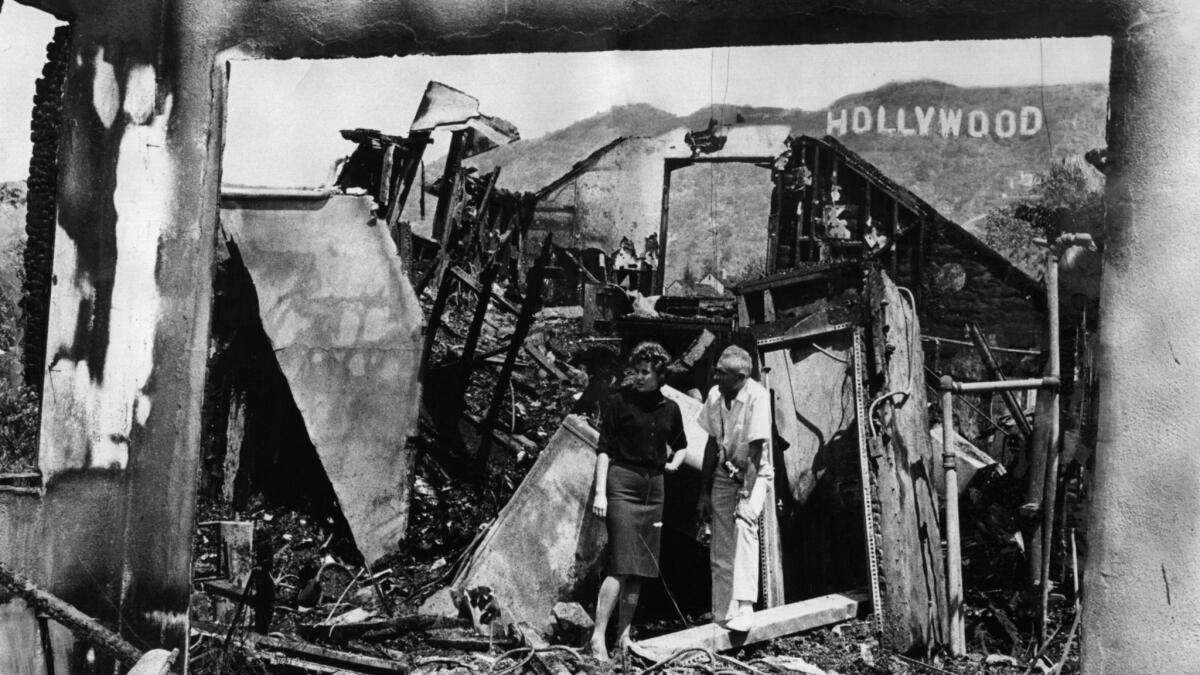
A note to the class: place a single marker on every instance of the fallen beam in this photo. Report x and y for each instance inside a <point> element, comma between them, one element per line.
<point>769,624</point>
<point>343,660</point>
<point>473,284</point>
<point>83,626</point>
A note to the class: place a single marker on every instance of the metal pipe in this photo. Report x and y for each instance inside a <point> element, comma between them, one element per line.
<point>258,193</point>
<point>1050,491</point>
<point>1010,401</point>
<point>1006,350</point>
<point>954,595</point>
<point>1001,385</point>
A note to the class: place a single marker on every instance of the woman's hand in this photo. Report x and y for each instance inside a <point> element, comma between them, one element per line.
<point>600,506</point>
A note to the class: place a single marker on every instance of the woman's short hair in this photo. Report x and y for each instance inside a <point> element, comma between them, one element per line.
<point>653,354</point>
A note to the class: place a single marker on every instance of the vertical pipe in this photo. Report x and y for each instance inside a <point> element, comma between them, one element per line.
<point>1050,489</point>
<point>954,597</point>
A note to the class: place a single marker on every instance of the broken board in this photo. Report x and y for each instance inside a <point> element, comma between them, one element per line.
<point>346,329</point>
<point>912,567</point>
<point>769,624</point>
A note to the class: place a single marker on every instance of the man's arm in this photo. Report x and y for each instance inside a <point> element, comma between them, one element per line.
<point>755,456</point>
<point>707,471</point>
<point>758,429</point>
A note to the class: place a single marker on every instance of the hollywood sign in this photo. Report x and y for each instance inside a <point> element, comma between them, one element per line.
<point>946,122</point>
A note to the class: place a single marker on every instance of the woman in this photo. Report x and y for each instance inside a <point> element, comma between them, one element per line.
<point>641,436</point>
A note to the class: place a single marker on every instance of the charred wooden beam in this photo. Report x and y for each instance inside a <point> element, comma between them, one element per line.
<point>473,284</point>
<point>912,567</point>
<point>533,302</point>
<point>450,177</point>
<point>83,626</point>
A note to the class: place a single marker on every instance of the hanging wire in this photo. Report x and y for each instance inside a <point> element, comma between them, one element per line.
<point>1042,91</point>
<point>712,62</point>
<point>725,96</point>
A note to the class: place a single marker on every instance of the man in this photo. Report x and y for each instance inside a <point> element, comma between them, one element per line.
<point>736,471</point>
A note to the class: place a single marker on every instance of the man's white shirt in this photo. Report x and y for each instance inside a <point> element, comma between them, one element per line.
<point>747,420</point>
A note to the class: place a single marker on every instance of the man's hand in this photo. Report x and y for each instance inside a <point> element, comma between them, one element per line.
<point>745,511</point>
<point>676,461</point>
<point>600,506</point>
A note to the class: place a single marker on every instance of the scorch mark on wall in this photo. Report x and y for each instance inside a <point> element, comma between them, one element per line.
<point>102,412</point>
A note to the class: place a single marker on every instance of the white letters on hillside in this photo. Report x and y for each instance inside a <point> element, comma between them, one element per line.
<point>945,122</point>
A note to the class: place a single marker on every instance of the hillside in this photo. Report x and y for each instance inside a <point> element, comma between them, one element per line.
<point>963,177</point>
<point>530,165</point>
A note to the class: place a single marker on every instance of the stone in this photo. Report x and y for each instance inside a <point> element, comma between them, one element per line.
<point>573,626</point>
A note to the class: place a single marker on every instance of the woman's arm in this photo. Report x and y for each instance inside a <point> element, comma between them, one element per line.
<point>600,501</point>
<point>603,453</point>
<point>678,442</point>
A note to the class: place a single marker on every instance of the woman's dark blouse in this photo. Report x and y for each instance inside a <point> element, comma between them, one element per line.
<point>637,428</point>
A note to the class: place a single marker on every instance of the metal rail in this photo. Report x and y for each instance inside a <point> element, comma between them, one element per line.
<point>781,341</point>
<point>864,468</point>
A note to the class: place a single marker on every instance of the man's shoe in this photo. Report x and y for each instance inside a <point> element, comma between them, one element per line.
<point>741,623</point>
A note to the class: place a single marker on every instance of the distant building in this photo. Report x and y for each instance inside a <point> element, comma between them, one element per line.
<point>711,281</point>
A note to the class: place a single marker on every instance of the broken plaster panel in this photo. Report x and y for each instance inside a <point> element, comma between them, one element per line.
<point>346,328</point>
<point>545,541</point>
<point>105,410</point>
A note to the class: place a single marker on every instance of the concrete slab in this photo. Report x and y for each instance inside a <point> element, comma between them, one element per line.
<point>346,329</point>
<point>545,541</point>
<point>770,623</point>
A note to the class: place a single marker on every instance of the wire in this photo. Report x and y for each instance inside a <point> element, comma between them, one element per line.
<point>970,405</point>
<point>663,579</point>
<point>725,96</point>
<point>871,408</point>
<point>830,354</point>
<point>1042,91</point>
<point>511,653</point>
<point>712,62</point>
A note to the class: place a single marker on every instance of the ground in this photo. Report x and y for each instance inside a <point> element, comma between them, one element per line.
<point>449,512</point>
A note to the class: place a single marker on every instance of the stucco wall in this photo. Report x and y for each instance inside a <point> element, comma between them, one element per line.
<point>1141,585</point>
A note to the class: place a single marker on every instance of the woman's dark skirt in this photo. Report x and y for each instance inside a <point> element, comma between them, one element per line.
<point>635,508</point>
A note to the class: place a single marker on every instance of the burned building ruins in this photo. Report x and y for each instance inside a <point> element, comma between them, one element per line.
<point>216,364</point>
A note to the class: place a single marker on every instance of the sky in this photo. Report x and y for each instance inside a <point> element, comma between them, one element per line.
<point>284,116</point>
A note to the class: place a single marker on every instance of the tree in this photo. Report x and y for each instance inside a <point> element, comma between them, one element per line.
<point>1068,198</point>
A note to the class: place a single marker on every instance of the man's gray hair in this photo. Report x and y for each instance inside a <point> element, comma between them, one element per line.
<point>736,359</point>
